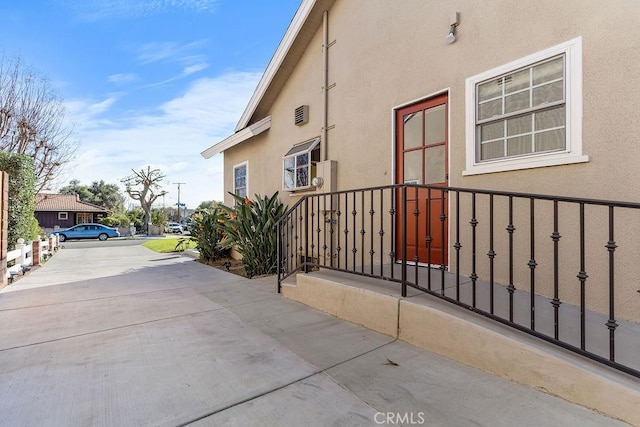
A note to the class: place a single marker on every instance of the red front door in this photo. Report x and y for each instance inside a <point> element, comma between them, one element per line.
<point>422,158</point>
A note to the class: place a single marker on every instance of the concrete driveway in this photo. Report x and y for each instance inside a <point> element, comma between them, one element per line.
<point>122,336</point>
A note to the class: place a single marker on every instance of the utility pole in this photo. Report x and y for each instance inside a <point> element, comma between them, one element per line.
<point>178,184</point>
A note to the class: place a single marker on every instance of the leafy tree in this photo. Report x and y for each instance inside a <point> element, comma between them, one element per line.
<point>22,196</point>
<point>159,217</point>
<point>144,186</point>
<point>107,195</point>
<point>136,217</point>
<point>98,193</point>
<point>207,204</point>
<point>74,187</point>
<point>32,121</point>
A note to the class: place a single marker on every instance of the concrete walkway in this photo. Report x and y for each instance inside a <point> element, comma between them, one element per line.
<point>135,338</point>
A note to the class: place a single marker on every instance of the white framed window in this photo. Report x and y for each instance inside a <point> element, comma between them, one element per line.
<point>299,165</point>
<point>63,216</point>
<point>527,113</point>
<point>241,179</point>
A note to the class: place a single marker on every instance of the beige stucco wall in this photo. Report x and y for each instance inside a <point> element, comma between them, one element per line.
<point>381,60</point>
<point>383,57</point>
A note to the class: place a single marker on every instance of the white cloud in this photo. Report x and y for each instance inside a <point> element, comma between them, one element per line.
<point>170,137</point>
<point>97,10</point>
<point>172,51</point>
<point>122,78</point>
<point>186,72</point>
<point>86,113</point>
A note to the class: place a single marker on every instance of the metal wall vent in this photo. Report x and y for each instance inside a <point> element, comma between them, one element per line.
<point>302,115</point>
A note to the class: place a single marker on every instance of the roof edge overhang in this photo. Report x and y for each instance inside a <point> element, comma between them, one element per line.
<point>238,137</point>
<point>290,36</point>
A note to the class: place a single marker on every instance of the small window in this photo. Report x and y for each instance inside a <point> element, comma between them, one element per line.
<point>299,165</point>
<point>63,216</point>
<point>527,113</point>
<point>240,179</point>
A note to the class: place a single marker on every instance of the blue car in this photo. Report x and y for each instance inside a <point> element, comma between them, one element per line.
<point>87,231</point>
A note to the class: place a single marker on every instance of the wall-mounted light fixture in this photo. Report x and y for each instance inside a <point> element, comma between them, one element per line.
<point>453,23</point>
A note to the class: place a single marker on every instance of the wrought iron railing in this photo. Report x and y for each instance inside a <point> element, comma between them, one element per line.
<point>563,269</point>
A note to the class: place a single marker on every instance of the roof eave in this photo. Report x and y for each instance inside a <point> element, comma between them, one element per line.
<point>238,137</point>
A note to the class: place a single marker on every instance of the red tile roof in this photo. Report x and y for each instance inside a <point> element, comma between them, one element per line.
<point>64,203</point>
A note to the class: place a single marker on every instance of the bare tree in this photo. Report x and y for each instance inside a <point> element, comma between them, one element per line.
<point>144,186</point>
<point>32,121</point>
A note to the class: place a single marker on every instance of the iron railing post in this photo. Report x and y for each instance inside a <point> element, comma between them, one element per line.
<point>404,240</point>
<point>278,257</point>
<point>306,235</point>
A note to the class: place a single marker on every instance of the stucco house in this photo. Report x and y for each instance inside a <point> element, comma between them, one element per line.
<point>65,210</point>
<point>482,142</point>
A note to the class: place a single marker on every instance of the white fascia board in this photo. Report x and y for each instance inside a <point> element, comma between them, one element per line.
<point>238,137</point>
<point>281,52</point>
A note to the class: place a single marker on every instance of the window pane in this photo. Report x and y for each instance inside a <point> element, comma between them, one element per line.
<point>550,140</point>
<point>492,150</point>
<point>315,155</point>
<point>550,118</point>
<point>548,71</point>
<point>516,102</point>
<point>240,178</point>
<point>490,109</point>
<point>289,172</point>
<point>413,130</point>
<point>302,177</point>
<point>413,166</point>
<point>434,122</point>
<point>242,192</point>
<point>492,131</point>
<point>519,145</point>
<point>434,165</point>
<point>302,159</point>
<point>517,81</point>
<point>519,125</point>
<point>489,90</point>
<point>548,93</point>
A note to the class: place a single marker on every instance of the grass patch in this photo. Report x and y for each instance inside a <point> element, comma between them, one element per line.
<point>166,245</point>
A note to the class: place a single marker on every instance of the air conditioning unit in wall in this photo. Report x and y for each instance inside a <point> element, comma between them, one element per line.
<point>301,115</point>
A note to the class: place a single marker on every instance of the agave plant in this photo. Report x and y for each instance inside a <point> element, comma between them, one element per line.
<point>251,230</point>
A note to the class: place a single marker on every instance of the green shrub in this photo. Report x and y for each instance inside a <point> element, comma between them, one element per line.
<point>206,229</point>
<point>159,217</point>
<point>251,230</point>
<point>35,230</point>
<point>22,195</point>
<point>116,221</point>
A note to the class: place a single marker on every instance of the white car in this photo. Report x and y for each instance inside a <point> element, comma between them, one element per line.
<point>174,227</point>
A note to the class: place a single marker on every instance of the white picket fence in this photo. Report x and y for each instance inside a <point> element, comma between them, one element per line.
<point>23,254</point>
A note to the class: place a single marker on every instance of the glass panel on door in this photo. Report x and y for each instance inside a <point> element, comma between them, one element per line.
<point>434,165</point>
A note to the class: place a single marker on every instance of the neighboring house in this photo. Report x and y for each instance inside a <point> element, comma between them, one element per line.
<point>65,210</point>
<point>536,97</point>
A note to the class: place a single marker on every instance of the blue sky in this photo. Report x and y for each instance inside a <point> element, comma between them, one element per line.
<point>148,82</point>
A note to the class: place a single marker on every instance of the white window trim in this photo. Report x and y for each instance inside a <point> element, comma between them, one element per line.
<point>233,177</point>
<point>572,50</point>
<point>63,216</point>
<point>309,151</point>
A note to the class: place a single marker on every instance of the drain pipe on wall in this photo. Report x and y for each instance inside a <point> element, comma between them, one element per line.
<point>324,155</point>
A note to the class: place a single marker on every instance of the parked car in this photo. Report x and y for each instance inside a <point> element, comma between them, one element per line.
<point>174,227</point>
<point>87,231</point>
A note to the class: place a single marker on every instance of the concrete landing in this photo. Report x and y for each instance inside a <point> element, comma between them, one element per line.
<point>165,341</point>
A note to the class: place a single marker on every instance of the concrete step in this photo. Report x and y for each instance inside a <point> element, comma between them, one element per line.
<point>453,332</point>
